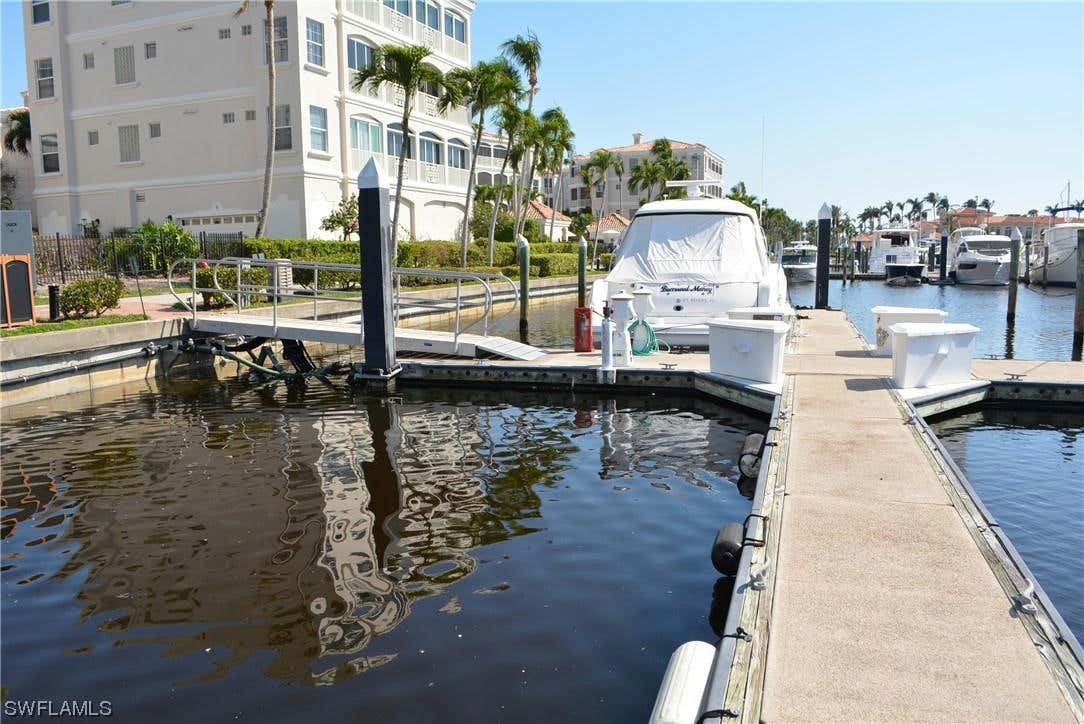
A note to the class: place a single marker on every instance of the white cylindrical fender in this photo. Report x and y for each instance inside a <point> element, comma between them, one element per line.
<point>683,684</point>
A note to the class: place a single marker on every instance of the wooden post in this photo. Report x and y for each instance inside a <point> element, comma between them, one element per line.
<point>524,282</point>
<point>824,232</point>
<point>1078,310</point>
<point>942,272</point>
<point>374,228</point>
<point>1027,262</point>
<point>857,257</point>
<point>1046,261</point>
<point>1014,275</point>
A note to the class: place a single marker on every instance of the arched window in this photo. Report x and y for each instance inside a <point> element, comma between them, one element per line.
<point>458,157</point>
<point>454,26</point>
<point>365,135</point>
<point>359,54</point>
<point>485,151</point>
<point>427,13</point>
<point>429,146</point>
<point>485,178</point>
<point>395,141</point>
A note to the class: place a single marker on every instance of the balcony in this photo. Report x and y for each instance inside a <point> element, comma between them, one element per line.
<point>414,170</point>
<point>407,27</point>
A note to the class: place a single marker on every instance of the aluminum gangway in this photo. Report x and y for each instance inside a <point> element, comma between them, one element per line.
<point>284,299</point>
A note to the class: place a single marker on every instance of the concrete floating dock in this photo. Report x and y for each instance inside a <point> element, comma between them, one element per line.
<point>884,608</point>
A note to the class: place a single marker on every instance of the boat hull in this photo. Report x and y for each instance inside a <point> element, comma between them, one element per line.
<point>1060,270</point>
<point>983,272</point>
<point>904,274</point>
<point>800,273</point>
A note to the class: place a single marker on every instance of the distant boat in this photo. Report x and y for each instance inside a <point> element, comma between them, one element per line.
<point>800,262</point>
<point>895,253</point>
<point>1061,261</point>
<point>954,242</point>
<point>984,259</point>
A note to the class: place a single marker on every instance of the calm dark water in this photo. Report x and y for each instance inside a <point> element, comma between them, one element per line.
<point>1028,468</point>
<point>1044,322</point>
<point>217,550</point>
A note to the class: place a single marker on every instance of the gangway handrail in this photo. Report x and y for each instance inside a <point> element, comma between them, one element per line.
<point>236,294</point>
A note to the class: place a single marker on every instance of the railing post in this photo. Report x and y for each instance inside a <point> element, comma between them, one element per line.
<point>377,249</point>
<point>60,258</point>
<point>194,305</point>
<point>315,291</point>
<point>116,261</point>
<point>275,296</point>
<point>524,283</point>
<point>824,232</point>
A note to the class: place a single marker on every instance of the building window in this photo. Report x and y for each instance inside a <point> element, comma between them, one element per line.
<point>282,41</point>
<point>400,6</point>
<point>499,152</point>
<point>250,115</point>
<point>92,138</point>
<point>429,148</point>
<point>119,2</point>
<point>50,154</point>
<point>150,50</point>
<point>454,27</point>
<point>358,54</point>
<point>318,128</point>
<point>283,131</point>
<point>246,30</point>
<point>395,141</point>
<point>39,11</point>
<point>457,154</point>
<point>43,69</point>
<point>223,33</point>
<point>129,143</point>
<point>228,118</point>
<point>427,13</point>
<point>154,130</point>
<point>364,135</point>
<point>314,35</point>
<point>124,65</point>
<point>88,61</point>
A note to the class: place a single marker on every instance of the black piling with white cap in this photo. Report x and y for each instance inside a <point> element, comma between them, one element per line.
<point>377,249</point>
<point>824,233</point>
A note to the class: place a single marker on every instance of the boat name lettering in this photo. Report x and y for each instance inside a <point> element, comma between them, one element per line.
<point>695,288</point>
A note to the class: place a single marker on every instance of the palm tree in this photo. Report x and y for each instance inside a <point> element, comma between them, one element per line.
<point>526,52</point>
<point>519,153</point>
<point>739,193</point>
<point>557,135</point>
<point>589,175</point>
<point>886,210</point>
<point>986,204</point>
<point>269,151</point>
<point>914,212</point>
<point>1033,212</point>
<point>604,161</point>
<point>405,67</point>
<point>646,174</point>
<point>17,139</point>
<point>484,87</point>
<point>932,198</point>
<point>509,120</point>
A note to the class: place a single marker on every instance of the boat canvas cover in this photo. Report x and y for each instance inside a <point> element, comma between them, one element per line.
<point>690,248</point>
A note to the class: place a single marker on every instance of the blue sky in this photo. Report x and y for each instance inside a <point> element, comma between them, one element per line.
<point>861,102</point>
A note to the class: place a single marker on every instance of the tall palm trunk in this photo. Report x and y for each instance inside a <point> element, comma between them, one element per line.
<point>496,208</point>
<point>403,151</point>
<point>601,214</point>
<point>470,193</point>
<point>526,162</point>
<point>265,196</point>
<point>553,203</point>
<point>527,188</point>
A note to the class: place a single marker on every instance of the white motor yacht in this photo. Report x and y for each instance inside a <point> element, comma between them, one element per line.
<point>895,253</point>
<point>1057,252</point>
<point>984,259</point>
<point>954,240</point>
<point>699,257</point>
<point>800,262</point>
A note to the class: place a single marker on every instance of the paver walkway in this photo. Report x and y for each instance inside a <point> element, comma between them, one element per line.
<point>884,607</point>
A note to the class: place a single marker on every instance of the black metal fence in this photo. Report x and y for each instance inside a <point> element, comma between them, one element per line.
<point>62,259</point>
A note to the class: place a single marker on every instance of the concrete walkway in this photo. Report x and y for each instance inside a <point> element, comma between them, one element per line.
<point>884,607</point>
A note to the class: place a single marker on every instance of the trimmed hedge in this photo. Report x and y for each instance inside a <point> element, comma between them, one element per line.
<point>556,265</point>
<point>90,296</point>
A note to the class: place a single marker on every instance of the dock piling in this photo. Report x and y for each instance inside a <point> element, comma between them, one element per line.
<point>1027,262</point>
<point>524,283</point>
<point>1014,274</point>
<point>942,272</point>
<point>1078,310</point>
<point>824,232</point>
<point>581,275</point>
<point>377,249</point>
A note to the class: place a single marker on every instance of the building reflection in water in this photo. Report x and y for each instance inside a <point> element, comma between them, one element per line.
<point>302,522</point>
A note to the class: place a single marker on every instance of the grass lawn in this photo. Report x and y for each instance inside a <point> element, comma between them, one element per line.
<point>42,327</point>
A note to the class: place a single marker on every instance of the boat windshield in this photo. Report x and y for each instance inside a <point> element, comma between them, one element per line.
<point>986,245</point>
<point>698,248</point>
<point>799,258</point>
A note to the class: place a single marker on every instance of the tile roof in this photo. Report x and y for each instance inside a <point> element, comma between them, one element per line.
<point>612,220</point>
<point>644,146</point>
<point>538,210</point>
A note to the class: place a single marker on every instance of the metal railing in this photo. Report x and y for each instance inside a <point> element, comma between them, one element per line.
<point>241,283</point>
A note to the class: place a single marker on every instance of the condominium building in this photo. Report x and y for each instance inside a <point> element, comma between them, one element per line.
<point>156,110</point>
<point>704,164</point>
<point>18,171</point>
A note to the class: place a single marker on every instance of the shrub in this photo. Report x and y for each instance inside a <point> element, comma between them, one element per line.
<point>90,296</point>
<point>156,246</point>
<point>555,265</point>
<point>605,260</point>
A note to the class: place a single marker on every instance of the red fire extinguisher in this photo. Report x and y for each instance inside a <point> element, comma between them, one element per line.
<point>583,338</point>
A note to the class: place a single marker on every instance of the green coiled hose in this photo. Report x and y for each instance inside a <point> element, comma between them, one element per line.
<point>650,344</point>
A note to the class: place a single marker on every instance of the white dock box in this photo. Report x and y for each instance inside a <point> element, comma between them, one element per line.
<point>751,349</point>
<point>885,317</point>
<point>773,314</point>
<point>925,355</point>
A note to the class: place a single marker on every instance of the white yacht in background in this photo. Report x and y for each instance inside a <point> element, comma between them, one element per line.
<point>983,259</point>
<point>954,242</point>
<point>699,257</point>
<point>1057,250</point>
<point>895,253</point>
<point>800,262</point>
